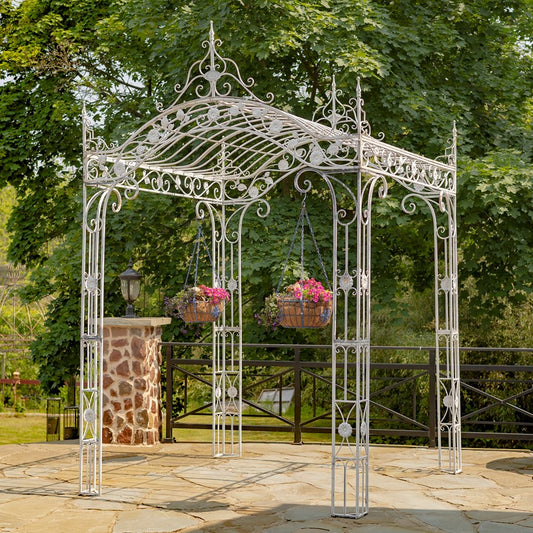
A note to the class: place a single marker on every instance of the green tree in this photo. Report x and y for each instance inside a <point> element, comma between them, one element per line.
<point>6,206</point>
<point>422,64</point>
<point>496,235</point>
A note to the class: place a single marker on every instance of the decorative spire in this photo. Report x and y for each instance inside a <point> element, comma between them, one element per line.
<point>212,75</point>
<point>359,105</point>
<point>211,33</point>
<point>84,124</point>
<point>211,68</point>
<point>334,113</point>
<point>333,102</point>
<point>454,145</point>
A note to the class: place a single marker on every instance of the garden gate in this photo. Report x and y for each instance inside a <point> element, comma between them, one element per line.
<point>226,150</point>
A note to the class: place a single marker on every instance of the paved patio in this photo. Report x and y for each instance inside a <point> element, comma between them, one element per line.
<point>273,488</point>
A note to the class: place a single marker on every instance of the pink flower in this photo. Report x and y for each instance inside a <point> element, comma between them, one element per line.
<point>215,294</point>
<point>309,289</point>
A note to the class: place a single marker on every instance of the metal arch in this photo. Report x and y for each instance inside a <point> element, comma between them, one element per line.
<point>91,344</point>
<point>226,150</point>
<point>443,212</point>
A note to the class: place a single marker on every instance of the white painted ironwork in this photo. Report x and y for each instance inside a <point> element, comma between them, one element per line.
<point>225,149</point>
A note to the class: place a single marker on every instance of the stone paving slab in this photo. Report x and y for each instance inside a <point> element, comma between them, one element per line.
<point>273,488</point>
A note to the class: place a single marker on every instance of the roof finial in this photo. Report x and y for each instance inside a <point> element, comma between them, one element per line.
<point>359,106</point>
<point>84,123</point>
<point>333,102</point>
<point>212,45</point>
<point>211,75</point>
<point>211,34</point>
<point>454,145</point>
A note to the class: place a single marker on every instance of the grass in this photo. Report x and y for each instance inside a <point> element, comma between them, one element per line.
<point>21,428</point>
<point>205,435</point>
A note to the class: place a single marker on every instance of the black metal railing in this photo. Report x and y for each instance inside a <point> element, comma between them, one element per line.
<point>497,399</point>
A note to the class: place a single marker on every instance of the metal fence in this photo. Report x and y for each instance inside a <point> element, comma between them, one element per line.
<point>496,399</point>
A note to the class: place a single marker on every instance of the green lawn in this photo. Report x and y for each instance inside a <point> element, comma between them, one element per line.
<point>205,435</point>
<point>22,428</point>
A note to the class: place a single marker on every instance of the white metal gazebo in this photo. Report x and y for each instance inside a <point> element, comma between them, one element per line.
<point>227,150</point>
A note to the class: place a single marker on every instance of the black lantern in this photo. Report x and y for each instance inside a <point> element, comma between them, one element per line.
<point>130,286</point>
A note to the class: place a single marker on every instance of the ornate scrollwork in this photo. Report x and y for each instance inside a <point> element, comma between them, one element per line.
<point>345,282</point>
<point>339,117</point>
<point>450,153</point>
<point>415,173</point>
<point>193,147</point>
<point>215,75</point>
<point>91,283</point>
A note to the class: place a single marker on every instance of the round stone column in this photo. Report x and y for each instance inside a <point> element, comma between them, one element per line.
<point>132,380</point>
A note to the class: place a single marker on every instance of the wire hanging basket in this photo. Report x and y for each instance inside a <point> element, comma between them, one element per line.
<point>306,303</point>
<point>201,311</point>
<point>300,313</point>
<point>201,304</point>
<point>198,304</point>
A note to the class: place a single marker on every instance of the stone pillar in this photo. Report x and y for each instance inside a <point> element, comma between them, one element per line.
<point>132,380</point>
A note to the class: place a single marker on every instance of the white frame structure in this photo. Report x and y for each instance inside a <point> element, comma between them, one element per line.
<point>226,149</point>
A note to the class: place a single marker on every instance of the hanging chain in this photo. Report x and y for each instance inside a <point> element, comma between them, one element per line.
<point>302,237</point>
<point>194,254</point>
<point>302,220</point>
<point>199,239</point>
<point>317,251</point>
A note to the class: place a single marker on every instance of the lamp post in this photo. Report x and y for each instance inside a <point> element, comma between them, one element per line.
<point>130,286</point>
<point>16,381</point>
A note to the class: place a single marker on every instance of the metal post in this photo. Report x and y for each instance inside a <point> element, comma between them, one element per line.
<point>432,371</point>
<point>314,396</point>
<point>170,386</point>
<point>3,374</point>
<point>280,394</point>
<point>297,398</point>
<point>186,393</point>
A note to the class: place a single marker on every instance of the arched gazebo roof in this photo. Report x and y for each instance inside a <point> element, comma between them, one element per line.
<point>219,142</point>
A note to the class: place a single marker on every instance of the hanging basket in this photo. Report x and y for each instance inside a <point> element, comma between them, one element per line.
<point>297,313</point>
<point>198,304</point>
<point>306,303</point>
<point>201,311</point>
